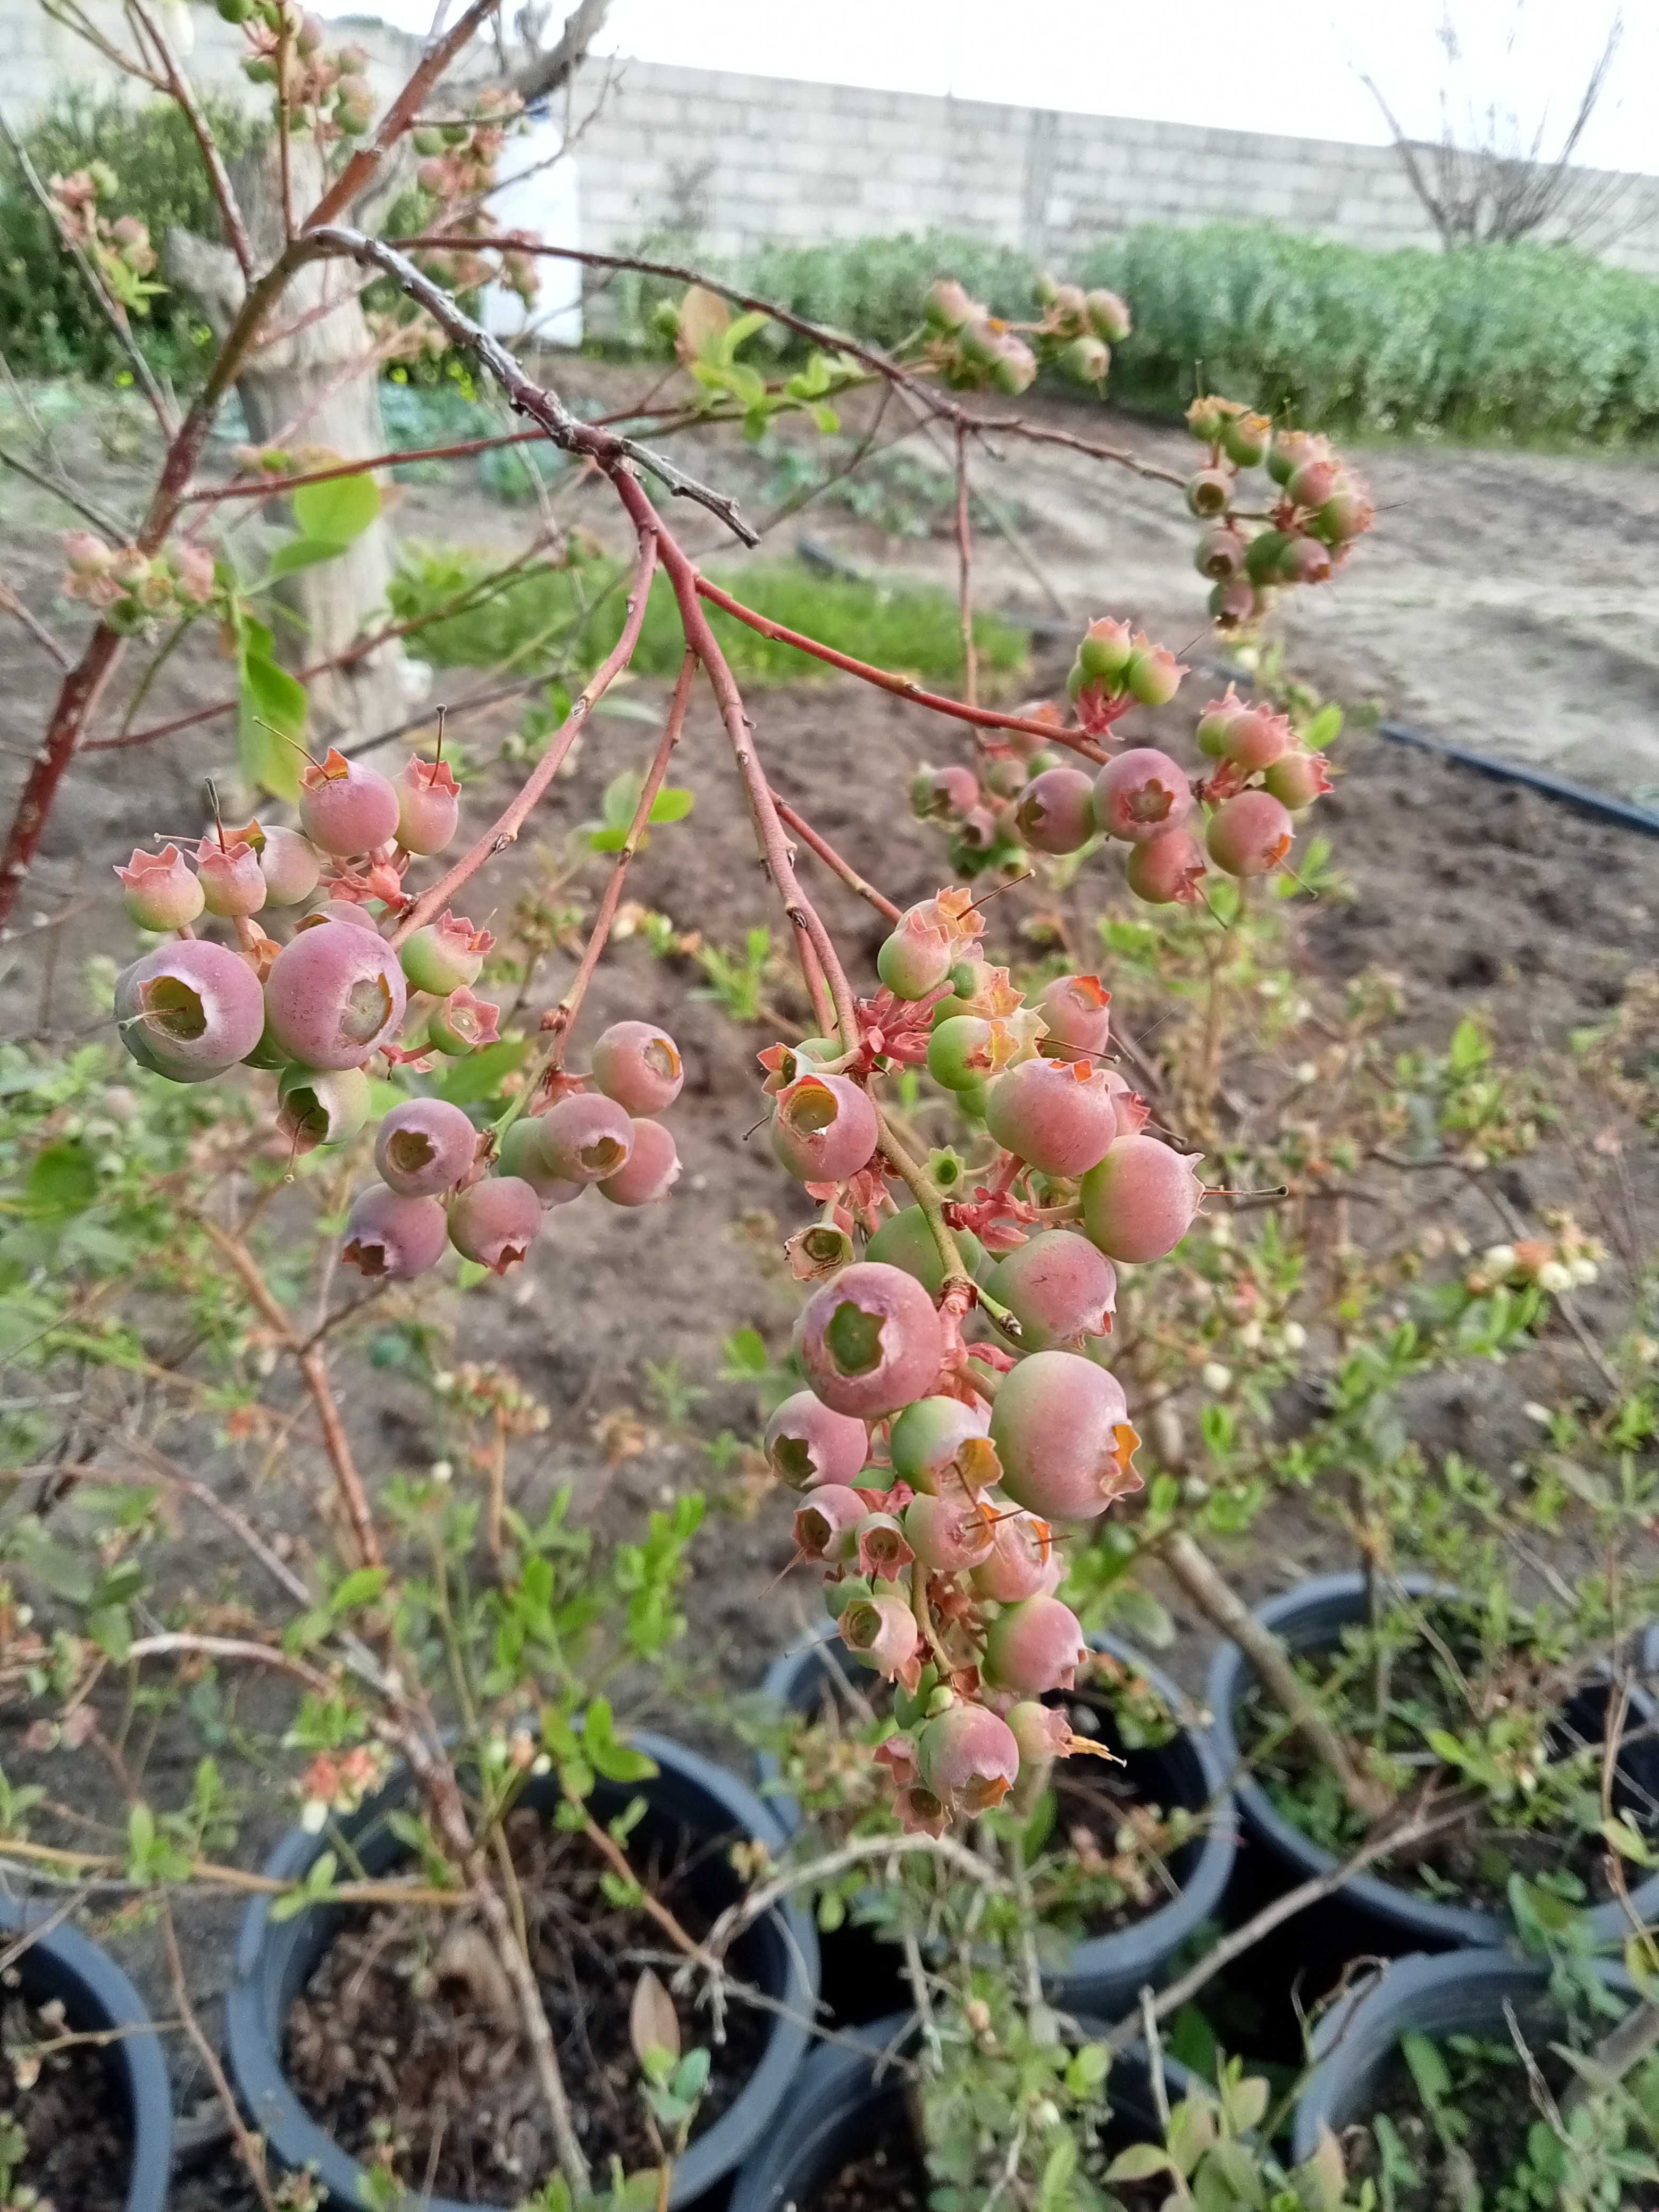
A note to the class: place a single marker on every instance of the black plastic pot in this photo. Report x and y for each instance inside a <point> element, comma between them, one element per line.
<point>61,1963</point>
<point>778,1956</point>
<point>1387,1917</point>
<point>1451,1993</point>
<point>844,2098</point>
<point>1106,1974</point>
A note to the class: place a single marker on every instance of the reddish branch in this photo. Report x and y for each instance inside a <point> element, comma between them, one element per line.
<point>512,818</point>
<point>833,861</point>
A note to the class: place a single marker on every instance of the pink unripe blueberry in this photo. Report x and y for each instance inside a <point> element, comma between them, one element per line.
<point>1106,649</point>
<point>428,805</point>
<point>1153,674</point>
<point>586,1137</point>
<point>333,995</point>
<point>807,1443</point>
<point>1305,561</point>
<point>1058,1287</point>
<point>1034,1646</point>
<point>160,889</point>
<point>1250,834</point>
<point>916,958</point>
<point>1209,492</point>
<point>495,1221</point>
<point>938,793</point>
<point>1056,1115</point>
<point>1140,794</point>
<point>1297,778</point>
<point>1346,514</point>
<point>651,1171</point>
<point>446,955</point>
<point>1054,814</point>
<point>391,1238</point>
<point>950,1534</point>
<point>316,1107</point>
<point>291,865</point>
<point>1219,554</point>
<point>1257,737</point>
<point>1291,449</point>
<point>1216,720</point>
<point>1234,601</point>
<point>190,1011</point>
<point>880,1548</point>
<point>1023,1562</point>
<point>927,1435</point>
<point>949,306</point>
<point>639,1066</point>
<point>824,1526</point>
<point>521,1155</point>
<point>1141,1201</point>
<point>1060,1427</point>
<point>968,1758</point>
<point>1107,314</point>
<point>233,881</point>
<point>346,806</point>
<point>1312,483</point>
<point>352,912</point>
<point>823,1128</point>
<point>424,1147</point>
<point>1168,871</point>
<point>870,1340</point>
<point>881,1631</point>
<point>1077,1011</point>
<point>1040,1732</point>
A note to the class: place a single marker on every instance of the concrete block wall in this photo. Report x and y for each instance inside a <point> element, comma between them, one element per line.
<point>736,161</point>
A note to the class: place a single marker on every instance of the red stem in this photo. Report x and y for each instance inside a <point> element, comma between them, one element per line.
<point>833,861</point>
<point>512,819</point>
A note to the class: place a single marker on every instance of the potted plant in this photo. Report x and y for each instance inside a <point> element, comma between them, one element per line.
<point>304,2030</point>
<point>1137,1851</point>
<point>1489,2078</point>
<point>86,2110</point>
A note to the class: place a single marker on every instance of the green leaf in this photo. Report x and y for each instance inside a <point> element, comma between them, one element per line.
<point>617,1761</point>
<point>337,511</point>
<point>606,840</point>
<point>61,1181</point>
<point>295,553</point>
<point>1139,2162</point>
<point>672,804</point>
<point>269,694</point>
<point>826,419</point>
<point>1324,729</point>
<point>361,1587</point>
<point>1628,1841</point>
<point>1425,2066</point>
<point>480,1075</point>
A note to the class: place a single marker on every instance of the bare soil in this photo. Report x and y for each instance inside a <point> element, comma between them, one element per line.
<point>1502,604</point>
<point>77,2148</point>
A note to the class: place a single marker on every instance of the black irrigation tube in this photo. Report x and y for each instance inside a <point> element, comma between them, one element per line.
<point>1533,779</point>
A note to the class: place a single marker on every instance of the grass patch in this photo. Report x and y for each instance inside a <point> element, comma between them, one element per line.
<point>572,617</point>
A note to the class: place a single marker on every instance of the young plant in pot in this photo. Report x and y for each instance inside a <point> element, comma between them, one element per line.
<point>1130,1854</point>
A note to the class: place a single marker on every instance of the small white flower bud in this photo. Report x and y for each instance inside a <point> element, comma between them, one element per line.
<point>1554,1278</point>
<point>1296,1337</point>
<point>314,1815</point>
<point>1216,1378</point>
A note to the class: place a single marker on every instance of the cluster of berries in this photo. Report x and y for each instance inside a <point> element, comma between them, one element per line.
<point>121,249</point>
<point>1321,508</point>
<point>935,1469</point>
<point>458,172</point>
<point>1023,800</point>
<point>319,1008</point>
<point>971,348</point>
<point>325,89</point>
<point>131,589</point>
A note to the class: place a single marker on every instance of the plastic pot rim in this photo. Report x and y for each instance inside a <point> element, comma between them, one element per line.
<point>299,2142</point>
<point>135,2059</point>
<point>1468,1926</point>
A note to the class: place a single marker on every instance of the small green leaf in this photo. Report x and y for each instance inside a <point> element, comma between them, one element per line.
<point>269,695</point>
<point>61,1181</point>
<point>617,1761</point>
<point>1139,2162</point>
<point>480,1075</point>
<point>295,553</point>
<point>337,511</point>
<point>826,418</point>
<point>1324,729</point>
<point>1426,2067</point>
<point>672,804</point>
<point>361,1587</point>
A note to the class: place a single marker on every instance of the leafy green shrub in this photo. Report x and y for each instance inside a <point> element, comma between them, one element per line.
<point>1524,341</point>
<point>51,324</point>
<point>572,617</point>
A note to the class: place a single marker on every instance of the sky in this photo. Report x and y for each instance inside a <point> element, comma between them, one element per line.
<point>1294,66</point>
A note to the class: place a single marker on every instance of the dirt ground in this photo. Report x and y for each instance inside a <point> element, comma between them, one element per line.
<point>1487,568</point>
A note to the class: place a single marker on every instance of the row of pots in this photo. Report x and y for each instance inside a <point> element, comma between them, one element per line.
<point>1199,1766</point>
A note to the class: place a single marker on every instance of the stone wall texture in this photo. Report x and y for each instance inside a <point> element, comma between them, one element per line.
<point>733,162</point>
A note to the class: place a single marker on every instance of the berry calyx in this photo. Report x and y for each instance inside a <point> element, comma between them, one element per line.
<point>233,881</point>
<point>1142,794</point>
<point>823,1128</point>
<point>807,1443</point>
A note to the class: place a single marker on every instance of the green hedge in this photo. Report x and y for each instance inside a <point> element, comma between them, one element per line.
<point>49,326</point>
<point>1522,342</point>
